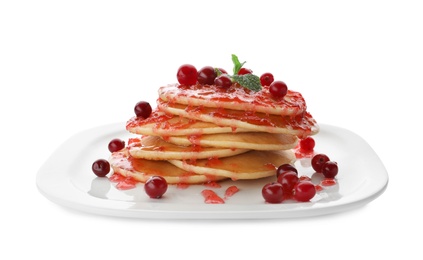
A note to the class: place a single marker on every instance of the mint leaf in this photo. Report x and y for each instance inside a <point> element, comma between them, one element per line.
<point>237,65</point>
<point>249,81</point>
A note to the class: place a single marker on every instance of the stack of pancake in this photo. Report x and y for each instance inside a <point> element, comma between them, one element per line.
<point>203,133</point>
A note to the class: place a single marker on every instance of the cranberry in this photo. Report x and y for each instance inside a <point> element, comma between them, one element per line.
<point>142,109</point>
<point>266,79</point>
<point>244,71</point>
<point>155,187</point>
<point>272,192</point>
<point>307,144</point>
<point>318,160</point>
<point>206,75</point>
<point>223,81</point>
<point>285,168</point>
<point>278,89</point>
<point>330,169</point>
<point>187,75</point>
<point>116,145</point>
<point>288,181</point>
<point>223,71</point>
<point>101,167</point>
<point>304,191</point>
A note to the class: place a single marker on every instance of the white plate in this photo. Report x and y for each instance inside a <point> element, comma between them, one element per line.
<point>66,179</point>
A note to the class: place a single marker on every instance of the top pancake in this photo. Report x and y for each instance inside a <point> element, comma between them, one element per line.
<point>234,98</point>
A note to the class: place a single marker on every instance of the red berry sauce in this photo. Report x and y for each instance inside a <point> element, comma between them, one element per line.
<point>328,182</point>
<point>210,197</point>
<point>123,182</point>
<point>212,184</point>
<point>230,191</point>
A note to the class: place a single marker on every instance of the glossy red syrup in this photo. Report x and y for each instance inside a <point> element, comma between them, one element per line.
<point>270,166</point>
<point>195,109</point>
<point>134,141</point>
<point>155,117</point>
<point>236,94</point>
<point>212,184</point>
<point>230,191</point>
<point>328,182</point>
<point>182,186</point>
<point>318,188</point>
<point>123,182</point>
<point>116,177</point>
<point>300,153</point>
<point>213,161</point>
<point>304,178</point>
<point>303,122</point>
<point>161,121</point>
<point>194,139</point>
<point>210,197</point>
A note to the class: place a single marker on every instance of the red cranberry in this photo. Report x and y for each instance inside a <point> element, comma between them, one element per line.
<point>318,160</point>
<point>206,75</point>
<point>142,109</point>
<point>116,145</point>
<point>272,192</point>
<point>187,75</point>
<point>285,168</point>
<point>223,71</point>
<point>101,167</point>
<point>304,191</point>
<point>278,89</point>
<point>266,79</point>
<point>288,181</point>
<point>330,169</point>
<point>307,144</point>
<point>244,71</point>
<point>155,187</point>
<point>223,81</point>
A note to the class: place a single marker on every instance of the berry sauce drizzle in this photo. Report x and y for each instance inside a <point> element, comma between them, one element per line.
<point>123,182</point>
<point>210,197</point>
<point>230,191</point>
<point>293,101</point>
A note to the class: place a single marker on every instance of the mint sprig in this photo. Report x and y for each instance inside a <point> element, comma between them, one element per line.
<point>237,65</point>
<point>249,81</point>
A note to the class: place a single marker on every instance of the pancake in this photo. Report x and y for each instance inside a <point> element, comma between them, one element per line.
<point>234,98</point>
<point>155,148</point>
<point>300,125</point>
<point>250,141</point>
<point>249,165</point>
<point>162,124</point>
<point>141,170</point>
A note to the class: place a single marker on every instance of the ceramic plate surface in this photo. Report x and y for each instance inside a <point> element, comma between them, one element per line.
<point>66,179</point>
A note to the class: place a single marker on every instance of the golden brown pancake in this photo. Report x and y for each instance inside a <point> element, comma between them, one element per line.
<point>249,165</point>
<point>155,148</point>
<point>141,170</point>
<point>299,125</point>
<point>251,141</point>
<point>162,124</point>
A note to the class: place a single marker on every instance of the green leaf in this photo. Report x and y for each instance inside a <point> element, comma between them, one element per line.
<point>249,81</point>
<point>237,65</point>
<point>218,72</point>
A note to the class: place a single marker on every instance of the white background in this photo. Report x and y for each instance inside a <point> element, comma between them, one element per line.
<point>66,66</point>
